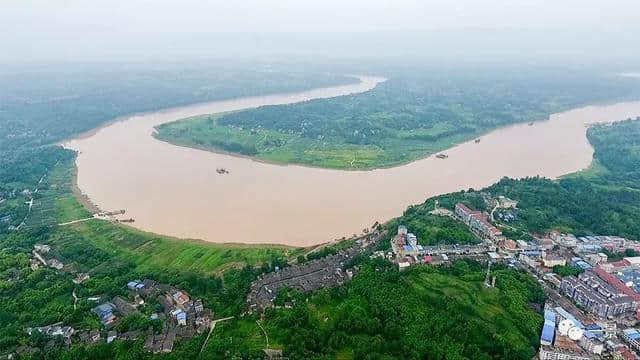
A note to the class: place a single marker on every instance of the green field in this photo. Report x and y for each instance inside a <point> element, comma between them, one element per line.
<point>204,132</point>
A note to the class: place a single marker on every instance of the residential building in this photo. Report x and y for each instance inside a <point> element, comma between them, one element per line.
<point>596,295</point>
<point>111,335</point>
<point>624,353</point>
<point>477,221</point>
<point>105,313</point>
<point>590,342</point>
<point>632,337</point>
<point>551,261</point>
<point>506,203</point>
<point>42,248</point>
<point>198,306</point>
<point>180,298</point>
<point>549,327</point>
<point>560,353</point>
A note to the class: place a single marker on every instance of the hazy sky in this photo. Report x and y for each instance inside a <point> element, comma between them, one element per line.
<point>36,30</point>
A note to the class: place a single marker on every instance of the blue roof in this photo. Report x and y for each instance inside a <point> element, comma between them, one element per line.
<point>106,307</point>
<point>583,265</point>
<point>550,315</point>
<point>593,327</point>
<point>548,330</point>
<point>181,316</point>
<point>634,336</point>
<point>562,312</point>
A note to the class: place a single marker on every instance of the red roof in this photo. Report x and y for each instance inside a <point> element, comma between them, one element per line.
<point>617,283</point>
<point>479,217</point>
<point>465,209</point>
<point>621,263</point>
<point>509,244</point>
<point>626,353</point>
<point>482,219</point>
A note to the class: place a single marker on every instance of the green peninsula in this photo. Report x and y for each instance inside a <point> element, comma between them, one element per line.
<point>405,118</point>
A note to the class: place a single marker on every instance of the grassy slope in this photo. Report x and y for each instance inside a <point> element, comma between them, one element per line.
<point>148,250</point>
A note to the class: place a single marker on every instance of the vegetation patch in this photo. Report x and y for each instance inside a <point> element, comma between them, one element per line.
<point>390,315</point>
<point>403,119</point>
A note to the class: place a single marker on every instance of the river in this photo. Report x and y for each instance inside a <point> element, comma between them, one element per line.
<point>176,191</point>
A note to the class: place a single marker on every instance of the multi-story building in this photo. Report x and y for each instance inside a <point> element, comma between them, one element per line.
<point>596,295</point>
<point>552,260</point>
<point>632,337</point>
<point>477,221</point>
<point>554,353</point>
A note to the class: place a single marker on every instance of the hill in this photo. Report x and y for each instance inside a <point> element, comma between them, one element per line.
<point>427,312</point>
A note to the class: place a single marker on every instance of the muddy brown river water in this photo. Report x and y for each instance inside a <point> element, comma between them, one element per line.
<point>176,191</point>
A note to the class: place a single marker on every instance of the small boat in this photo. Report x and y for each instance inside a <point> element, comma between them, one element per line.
<point>222,171</point>
<point>442,156</point>
<point>531,124</point>
<point>477,141</point>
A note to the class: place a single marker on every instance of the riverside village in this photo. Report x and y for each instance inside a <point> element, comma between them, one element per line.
<point>592,314</point>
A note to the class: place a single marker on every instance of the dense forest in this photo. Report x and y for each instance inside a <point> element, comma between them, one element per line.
<point>404,118</point>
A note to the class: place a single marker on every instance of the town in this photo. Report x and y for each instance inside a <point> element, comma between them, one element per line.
<point>590,313</point>
<point>587,316</point>
<point>325,272</point>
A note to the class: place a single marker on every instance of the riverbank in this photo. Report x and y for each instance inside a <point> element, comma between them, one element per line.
<point>176,190</point>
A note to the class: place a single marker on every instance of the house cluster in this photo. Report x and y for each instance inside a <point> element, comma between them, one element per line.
<point>406,251</point>
<point>321,273</point>
<point>182,316</point>
<point>41,257</point>
<point>594,290</point>
<point>564,337</point>
<point>592,244</point>
<point>603,295</point>
<point>53,330</point>
<point>477,221</point>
